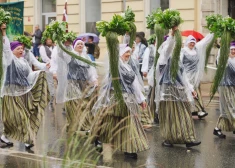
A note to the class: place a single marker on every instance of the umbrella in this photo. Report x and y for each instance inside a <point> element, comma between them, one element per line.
<point>86,35</point>
<point>195,34</point>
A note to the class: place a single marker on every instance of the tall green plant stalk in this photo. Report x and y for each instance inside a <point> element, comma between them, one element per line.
<point>132,33</point>
<point>176,55</point>
<point>112,44</point>
<point>1,51</point>
<point>224,55</point>
<point>208,51</point>
<point>74,55</point>
<point>159,31</point>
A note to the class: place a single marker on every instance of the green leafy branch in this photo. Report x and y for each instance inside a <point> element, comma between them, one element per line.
<point>151,20</point>
<point>223,27</point>
<point>56,31</point>
<point>5,17</point>
<point>217,24</point>
<point>70,36</point>
<point>117,24</point>
<point>129,15</point>
<point>111,30</point>
<point>168,19</point>
<point>26,40</point>
<point>152,39</point>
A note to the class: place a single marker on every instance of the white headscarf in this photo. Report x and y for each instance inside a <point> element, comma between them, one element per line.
<point>123,48</point>
<point>75,43</point>
<point>190,39</point>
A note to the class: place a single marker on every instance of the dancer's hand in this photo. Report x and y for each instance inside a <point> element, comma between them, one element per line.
<point>55,76</point>
<point>3,28</point>
<point>48,65</point>
<point>143,105</point>
<point>173,30</point>
<point>194,93</point>
<point>145,74</point>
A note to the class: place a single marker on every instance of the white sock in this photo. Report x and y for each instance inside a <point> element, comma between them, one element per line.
<point>4,138</point>
<point>216,128</point>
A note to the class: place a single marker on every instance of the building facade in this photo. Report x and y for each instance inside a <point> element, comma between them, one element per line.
<point>82,14</point>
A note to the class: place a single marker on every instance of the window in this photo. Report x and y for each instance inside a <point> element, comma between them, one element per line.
<point>48,6</point>
<point>93,14</point>
<point>48,12</point>
<point>231,8</point>
<point>154,4</point>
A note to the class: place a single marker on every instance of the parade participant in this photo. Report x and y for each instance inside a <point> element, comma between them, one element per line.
<point>77,82</point>
<point>173,100</point>
<point>226,121</point>
<point>126,38</point>
<point>28,55</point>
<point>54,59</point>
<point>121,127</point>
<point>146,115</point>
<point>45,52</point>
<point>193,58</point>
<point>25,95</point>
<point>148,58</point>
<point>139,50</point>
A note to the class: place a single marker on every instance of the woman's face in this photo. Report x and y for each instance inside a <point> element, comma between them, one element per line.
<point>79,47</point>
<point>232,52</point>
<point>126,56</point>
<point>18,51</point>
<point>191,45</point>
<point>137,40</point>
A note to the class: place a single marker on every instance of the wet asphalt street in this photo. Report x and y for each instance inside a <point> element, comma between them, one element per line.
<point>49,147</point>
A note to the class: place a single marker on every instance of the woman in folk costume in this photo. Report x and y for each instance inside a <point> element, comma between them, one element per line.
<point>148,61</point>
<point>148,58</point>
<point>146,115</point>
<point>28,55</point>
<point>25,95</point>
<point>226,121</point>
<point>173,100</point>
<point>140,46</point>
<point>152,87</point>
<point>55,57</point>
<point>45,52</point>
<point>121,127</point>
<point>193,58</point>
<point>77,83</point>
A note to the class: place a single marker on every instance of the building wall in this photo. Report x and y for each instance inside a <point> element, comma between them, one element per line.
<point>188,11</point>
<point>73,14</point>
